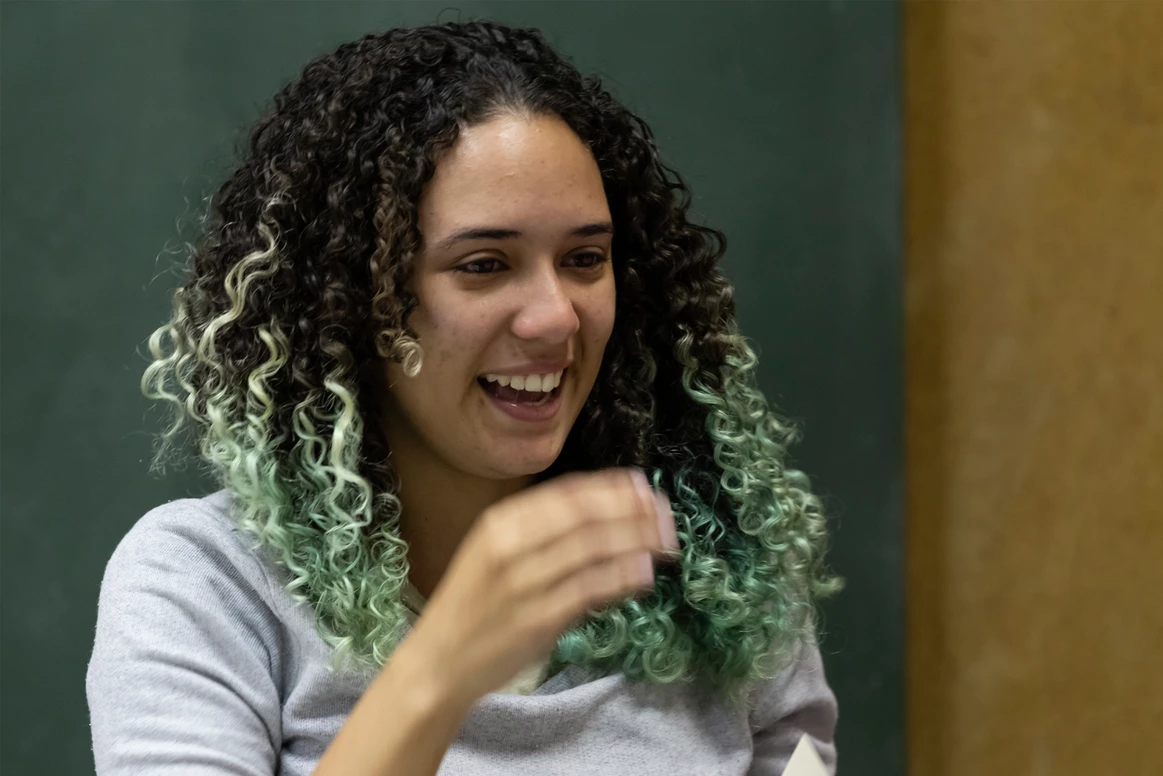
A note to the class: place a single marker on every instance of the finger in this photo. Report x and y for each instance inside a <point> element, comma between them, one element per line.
<point>595,544</point>
<point>651,523</point>
<point>666,526</point>
<point>660,518</point>
<point>595,586</point>
<point>570,502</point>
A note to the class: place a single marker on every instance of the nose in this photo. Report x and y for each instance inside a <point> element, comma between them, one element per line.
<point>546,312</point>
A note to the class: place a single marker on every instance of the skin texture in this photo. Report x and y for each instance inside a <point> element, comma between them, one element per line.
<point>487,304</point>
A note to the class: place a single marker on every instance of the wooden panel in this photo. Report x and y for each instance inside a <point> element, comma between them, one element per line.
<point>1034,205</point>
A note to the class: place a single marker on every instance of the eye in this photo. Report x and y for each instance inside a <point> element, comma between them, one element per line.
<point>481,266</point>
<point>588,260</point>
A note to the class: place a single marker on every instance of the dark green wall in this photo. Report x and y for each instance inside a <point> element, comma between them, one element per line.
<point>117,118</point>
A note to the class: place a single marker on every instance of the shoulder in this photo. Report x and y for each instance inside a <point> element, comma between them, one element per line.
<point>187,553</point>
<point>188,652</point>
<point>192,537</point>
<point>204,521</point>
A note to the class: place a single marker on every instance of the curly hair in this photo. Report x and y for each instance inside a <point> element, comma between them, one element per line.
<point>298,286</point>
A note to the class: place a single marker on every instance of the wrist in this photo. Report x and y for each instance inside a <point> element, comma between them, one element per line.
<point>427,686</point>
<point>403,724</point>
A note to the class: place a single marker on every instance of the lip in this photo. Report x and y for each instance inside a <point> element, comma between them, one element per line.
<point>525,412</point>
<point>531,368</point>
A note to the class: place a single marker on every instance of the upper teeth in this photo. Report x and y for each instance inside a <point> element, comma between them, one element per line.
<point>544,383</point>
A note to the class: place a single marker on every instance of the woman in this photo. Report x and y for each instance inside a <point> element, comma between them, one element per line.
<point>448,318</point>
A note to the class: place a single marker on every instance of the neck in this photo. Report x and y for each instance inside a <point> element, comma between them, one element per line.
<point>438,507</point>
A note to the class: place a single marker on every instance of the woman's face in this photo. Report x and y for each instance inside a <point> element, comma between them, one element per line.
<point>516,294</point>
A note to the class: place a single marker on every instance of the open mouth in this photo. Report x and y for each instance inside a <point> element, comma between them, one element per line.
<point>522,390</point>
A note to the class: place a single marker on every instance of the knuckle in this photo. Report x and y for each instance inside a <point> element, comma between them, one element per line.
<point>583,589</point>
<point>569,516</point>
<point>572,483</point>
<point>595,546</point>
<point>497,541</point>
<point>577,553</point>
<point>623,484</point>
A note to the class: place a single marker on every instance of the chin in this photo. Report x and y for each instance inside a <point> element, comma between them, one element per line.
<point>508,465</point>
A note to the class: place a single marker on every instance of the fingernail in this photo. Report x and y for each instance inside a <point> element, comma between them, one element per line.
<point>666,522</point>
<point>641,483</point>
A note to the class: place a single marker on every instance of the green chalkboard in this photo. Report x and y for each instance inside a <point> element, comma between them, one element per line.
<point>118,118</point>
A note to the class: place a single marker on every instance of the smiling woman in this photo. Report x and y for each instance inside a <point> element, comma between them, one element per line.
<point>498,490</point>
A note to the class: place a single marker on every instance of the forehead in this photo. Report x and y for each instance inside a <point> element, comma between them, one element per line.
<point>514,172</point>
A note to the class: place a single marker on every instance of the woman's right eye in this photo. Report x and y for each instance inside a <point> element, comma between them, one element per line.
<point>480,267</point>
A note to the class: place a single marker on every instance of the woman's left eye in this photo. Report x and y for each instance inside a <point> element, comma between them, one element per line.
<point>588,260</point>
<point>480,267</point>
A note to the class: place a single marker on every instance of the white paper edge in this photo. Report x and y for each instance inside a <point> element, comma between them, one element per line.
<point>805,760</point>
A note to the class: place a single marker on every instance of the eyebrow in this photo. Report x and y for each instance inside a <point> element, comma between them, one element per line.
<point>492,233</point>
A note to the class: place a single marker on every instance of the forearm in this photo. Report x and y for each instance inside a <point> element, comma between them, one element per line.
<point>402,725</point>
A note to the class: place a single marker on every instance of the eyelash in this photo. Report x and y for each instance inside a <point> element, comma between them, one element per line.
<point>599,259</point>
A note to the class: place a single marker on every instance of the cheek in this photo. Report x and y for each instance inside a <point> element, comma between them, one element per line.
<point>597,315</point>
<point>425,398</point>
<point>447,333</point>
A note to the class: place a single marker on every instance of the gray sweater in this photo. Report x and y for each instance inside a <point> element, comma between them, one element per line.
<point>203,666</point>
